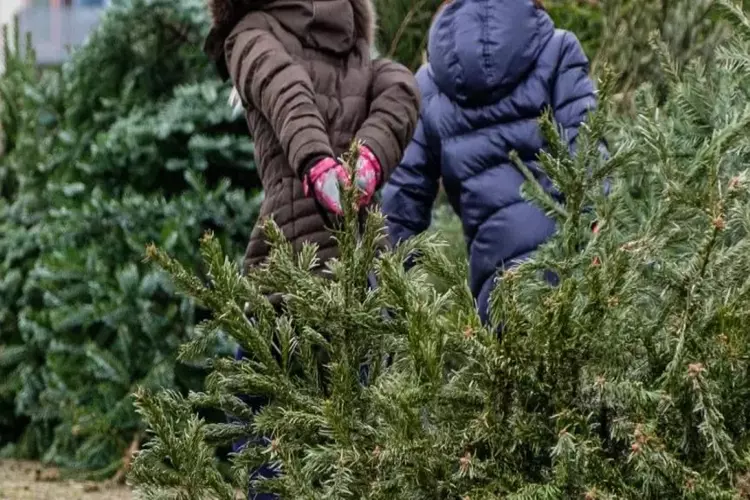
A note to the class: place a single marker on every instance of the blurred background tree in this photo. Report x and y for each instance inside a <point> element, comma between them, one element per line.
<point>130,142</point>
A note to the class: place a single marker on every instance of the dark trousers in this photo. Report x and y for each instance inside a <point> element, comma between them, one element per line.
<point>265,471</point>
<point>255,403</point>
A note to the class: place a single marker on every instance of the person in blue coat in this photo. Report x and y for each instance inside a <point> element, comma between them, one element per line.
<point>493,68</point>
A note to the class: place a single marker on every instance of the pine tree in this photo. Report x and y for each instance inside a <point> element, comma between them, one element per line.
<point>687,28</point>
<point>627,378</point>
<point>137,144</point>
<point>30,123</point>
<point>403,29</point>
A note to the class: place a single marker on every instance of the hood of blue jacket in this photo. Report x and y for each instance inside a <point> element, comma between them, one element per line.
<point>480,49</point>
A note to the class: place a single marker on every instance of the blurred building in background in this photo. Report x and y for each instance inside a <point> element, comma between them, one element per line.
<point>8,9</point>
<point>56,26</point>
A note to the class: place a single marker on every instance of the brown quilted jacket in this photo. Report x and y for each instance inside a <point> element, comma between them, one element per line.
<point>302,69</point>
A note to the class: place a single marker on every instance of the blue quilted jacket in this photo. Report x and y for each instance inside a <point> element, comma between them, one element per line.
<point>494,67</point>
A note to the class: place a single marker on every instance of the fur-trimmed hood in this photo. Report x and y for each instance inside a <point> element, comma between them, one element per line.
<point>305,16</point>
<point>227,13</point>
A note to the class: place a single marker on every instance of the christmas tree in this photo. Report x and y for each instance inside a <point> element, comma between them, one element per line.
<point>130,142</point>
<point>29,117</point>
<point>626,378</point>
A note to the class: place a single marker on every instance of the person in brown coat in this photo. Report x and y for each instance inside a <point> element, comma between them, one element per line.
<point>302,71</point>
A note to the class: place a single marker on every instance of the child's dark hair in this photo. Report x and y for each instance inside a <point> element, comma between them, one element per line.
<point>538,4</point>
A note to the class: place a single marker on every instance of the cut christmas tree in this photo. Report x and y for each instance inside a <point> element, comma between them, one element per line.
<point>129,142</point>
<point>625,379</point>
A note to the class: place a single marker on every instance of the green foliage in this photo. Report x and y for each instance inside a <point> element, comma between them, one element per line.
<point>29,120</point>
<point>131,142</point>
<point>625,379</point>
<point>446,226</point>
<point>582,17</point>
<point>403,29</point>
<point>137,62</point>
<point>687,28</point>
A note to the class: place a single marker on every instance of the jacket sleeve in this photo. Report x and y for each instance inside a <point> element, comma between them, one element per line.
<point>266,77</point>
<point>394,110</point>
<point>410,193</point>
<point>573,94</point>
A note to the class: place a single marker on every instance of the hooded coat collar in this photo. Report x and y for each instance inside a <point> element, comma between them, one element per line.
<point>479,50</point>
<point>315,21</point>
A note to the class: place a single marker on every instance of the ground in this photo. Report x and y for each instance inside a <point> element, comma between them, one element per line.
<point>31,481</point>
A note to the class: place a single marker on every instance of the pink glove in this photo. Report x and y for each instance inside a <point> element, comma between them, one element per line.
<point>323,181</point>
<point>368,175</point>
